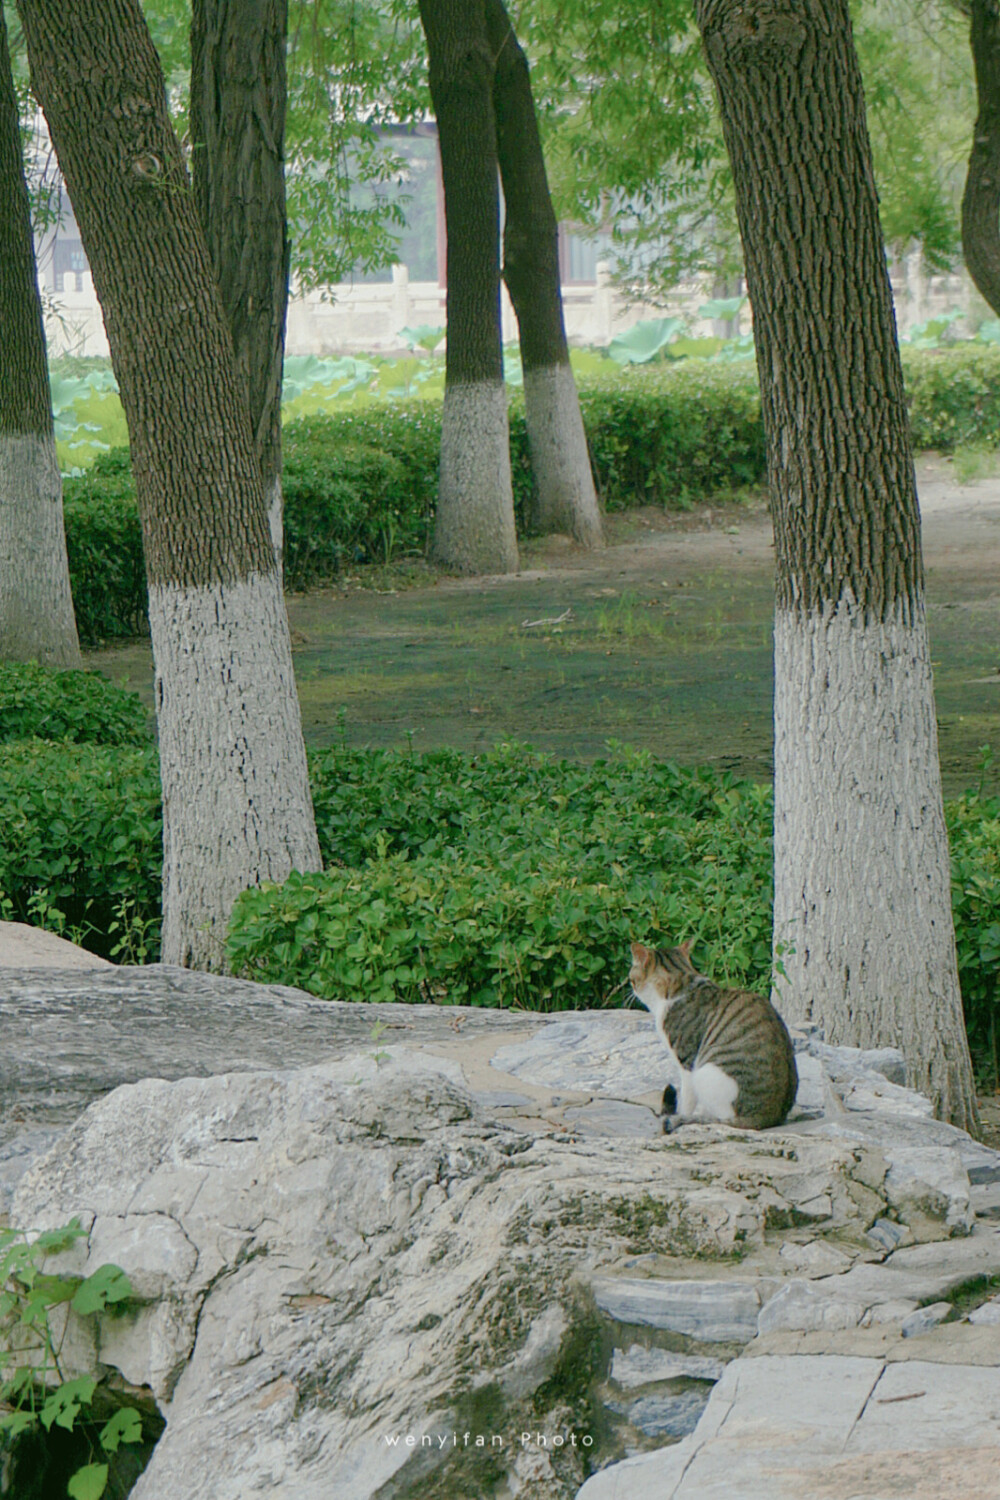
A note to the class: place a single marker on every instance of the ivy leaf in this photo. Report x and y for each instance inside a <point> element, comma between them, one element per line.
<point>13,1422</point>
<point>55,1289</point>
<point>107,1284</point>
<point>89,1483</point>
<point>52,1241</point>
<point>124,1427</point>
<point>63,1406</point>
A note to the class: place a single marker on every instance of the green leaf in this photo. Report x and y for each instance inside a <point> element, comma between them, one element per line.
<point>88,1483</point>
<point>54,1241</point>
<point>124,1427</point>
<point>722,307</point>
<point>107,1284</point>
<point>423,337</point>
<point>644,341</point>
<point>63,1406</point>
<point>52,1290</point>
<point>13,1422</point>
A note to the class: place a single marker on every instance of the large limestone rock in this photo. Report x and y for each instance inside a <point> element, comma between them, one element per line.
<point>357,1234</point>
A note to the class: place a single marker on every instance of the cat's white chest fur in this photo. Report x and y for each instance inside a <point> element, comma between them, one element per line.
<point>704,1092</point>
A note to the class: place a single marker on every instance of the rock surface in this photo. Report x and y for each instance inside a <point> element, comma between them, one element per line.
<point>26,947</point>
<point>356,1234</point>
<point>829,1427</point>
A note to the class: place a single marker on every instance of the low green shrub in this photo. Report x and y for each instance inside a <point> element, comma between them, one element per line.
<point>81,841</point>
<point>503,879</point>
<point>512,879</point>
<point>37,703</point>
<point>953,396</point>
<point>669,435</point>
<point>345,502</point>
<point>974,834</point>
<point>638,847</point>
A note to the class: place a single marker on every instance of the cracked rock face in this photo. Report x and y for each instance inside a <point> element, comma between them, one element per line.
<point>452,1258</point>
<point>331,1258</point>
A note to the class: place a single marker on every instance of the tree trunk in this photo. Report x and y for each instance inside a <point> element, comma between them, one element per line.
<point>236,801</point>
<point>36,608</point>
<point>981,199</point>
<point>474,524</point>
<point>862,907</point>
<point>238,97</point>
<point>566,500</point>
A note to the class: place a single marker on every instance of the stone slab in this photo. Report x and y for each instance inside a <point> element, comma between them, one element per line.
<point>715,1312</point>
<point>828,1428</point>
<point>638,1366</point>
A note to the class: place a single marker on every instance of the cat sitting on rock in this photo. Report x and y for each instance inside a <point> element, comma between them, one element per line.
<point>731,1058</point>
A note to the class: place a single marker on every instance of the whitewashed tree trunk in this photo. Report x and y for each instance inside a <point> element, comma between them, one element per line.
<point>236,791</point>
<point>36,610</point>
<point>863,925</point>
<point>237,809</point>
<point>865,939</point>
<point>474,522</point>
<point>474,531</point>
<point>567,500</point>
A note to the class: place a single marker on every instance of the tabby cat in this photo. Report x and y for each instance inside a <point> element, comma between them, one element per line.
<point>730,1052</point>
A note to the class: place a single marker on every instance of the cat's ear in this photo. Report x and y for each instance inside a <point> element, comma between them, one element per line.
<point>640,954</point>
<point>685,948</point>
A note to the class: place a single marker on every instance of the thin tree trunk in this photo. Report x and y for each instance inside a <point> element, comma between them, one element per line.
<point>236,801</point>
<point>862,908</point>
<point>474,524</point>
<point>566,500</point>
<point>36,609</point>
<point>238,95</point>
<point>981,199</point>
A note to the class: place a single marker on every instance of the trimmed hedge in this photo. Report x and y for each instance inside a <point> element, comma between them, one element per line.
<point>104,545</point>
<point>362,485</point>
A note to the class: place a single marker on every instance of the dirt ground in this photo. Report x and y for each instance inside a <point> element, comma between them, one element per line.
<point>662,641</point>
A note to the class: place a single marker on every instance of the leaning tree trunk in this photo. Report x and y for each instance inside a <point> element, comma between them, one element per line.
<point>474,524</point>
<point>566,500</point>
<point>236,800</point>
<point>36,608</point>
<point>862,908</point>
<point>981,199</point>
<point>238,98</point>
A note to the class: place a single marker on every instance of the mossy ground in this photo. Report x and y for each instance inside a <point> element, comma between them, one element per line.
<point>666,646</point>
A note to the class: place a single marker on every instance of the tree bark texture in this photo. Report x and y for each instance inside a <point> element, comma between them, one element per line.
<point>238,94</point>
<point>565,500</point>
<point>237,808</point>
<point>474,524</point>
<point>862,915</point>
<point>981,199</point>
<point>36,608</point>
